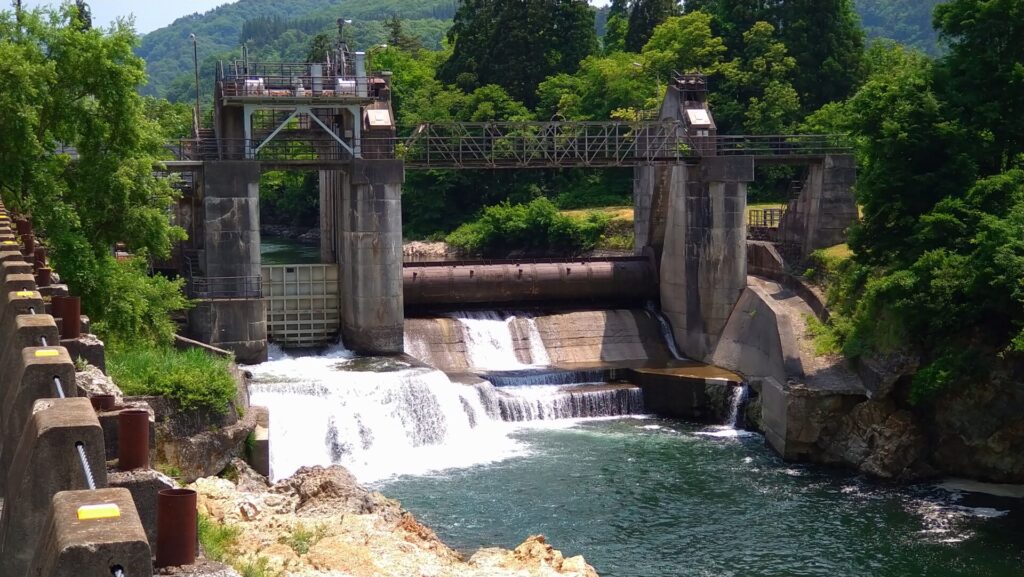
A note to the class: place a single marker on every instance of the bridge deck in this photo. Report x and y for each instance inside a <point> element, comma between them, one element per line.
<point>524,145</point>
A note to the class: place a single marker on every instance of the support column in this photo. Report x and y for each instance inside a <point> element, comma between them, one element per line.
<point>232,317</point>
<point>330,198</point>
<point>704,263</point>
<point>370,254</point>
<point>826,208</point>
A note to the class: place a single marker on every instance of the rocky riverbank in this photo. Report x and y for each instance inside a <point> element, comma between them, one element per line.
<point>321,522</point>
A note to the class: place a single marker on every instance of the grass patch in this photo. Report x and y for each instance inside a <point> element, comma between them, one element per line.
<point>192,378</point>
<point>216,539</point>
<point>826,341</point>
<point>303,538</point>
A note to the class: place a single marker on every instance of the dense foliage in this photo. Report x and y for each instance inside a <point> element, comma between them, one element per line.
<point>939,256</point>
<point>533,228</point>
<point>68,84</point>
<point>908,22</point>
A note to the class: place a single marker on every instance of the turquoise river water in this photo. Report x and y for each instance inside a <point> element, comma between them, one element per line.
<point>651,498</point>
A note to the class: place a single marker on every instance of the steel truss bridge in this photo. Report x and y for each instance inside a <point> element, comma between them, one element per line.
<point>520,145</point>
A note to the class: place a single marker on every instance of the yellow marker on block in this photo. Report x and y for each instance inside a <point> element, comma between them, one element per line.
<point>48,353</point>
<point>25,294</point>
<point>106,511</point>
<point>8,243</point>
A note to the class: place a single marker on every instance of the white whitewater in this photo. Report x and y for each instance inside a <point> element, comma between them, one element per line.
<point>490,340</point>
<point>382,417</point>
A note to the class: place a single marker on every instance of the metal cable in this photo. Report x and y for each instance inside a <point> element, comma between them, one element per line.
<point>42,340</point>
<point>117,571</point>
<point>59,386</point>
<point>32,310</point>
<point>85,465</point>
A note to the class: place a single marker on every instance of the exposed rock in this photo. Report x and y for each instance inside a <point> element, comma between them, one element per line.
<point>203,454</point>
<point>246,479</point>
<point>201,568</point>
<point>92,381</point>
<point>351,531</point>
<point>428,251</point>
<point>312,236</point>
<point>882,440</point>
<point>880,373</point>
<point>977,431</point>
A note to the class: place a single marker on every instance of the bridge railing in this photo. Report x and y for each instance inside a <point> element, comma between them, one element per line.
<point>782,145</point>
<point>494,145</point>
<point>228,287</point>
<point>544,144</point>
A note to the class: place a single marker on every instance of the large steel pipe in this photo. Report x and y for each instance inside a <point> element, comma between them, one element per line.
<point>176,527</point>
<point>605,280</point>
<point>133,439</point>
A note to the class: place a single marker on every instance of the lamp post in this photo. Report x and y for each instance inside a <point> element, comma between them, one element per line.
<point>341,28</point>
<point>195,64</point>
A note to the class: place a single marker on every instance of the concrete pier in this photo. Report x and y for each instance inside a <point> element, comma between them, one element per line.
<point>826,208</point>
<point>704,261</point>
<point>231,319</point>
<point>369,248</point>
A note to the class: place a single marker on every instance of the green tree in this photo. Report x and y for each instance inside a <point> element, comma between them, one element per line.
<point>827,41</point>
<point>617,27</point>
<point>398,37</point>
<point>756,94</point>
<point>684,44</point>
<point>320,48</point>
<point>69,85</point>
<point>516,45</point>
<point>983,74</point>
<point>644,18</point>
<point>914,157</point>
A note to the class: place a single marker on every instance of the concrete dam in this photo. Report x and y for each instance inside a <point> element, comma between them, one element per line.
<point>689,194</point>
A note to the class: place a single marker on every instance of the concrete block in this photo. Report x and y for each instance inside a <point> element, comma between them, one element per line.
<point>144,485</point>
<point>88,348</point>
<point>14,266</point>
<point>27,331</point>
<point>46,463</point>
<point>54,290</point>
<point>32,380</point>
<point>18,283</point>
<point>727,168</point>
<point>92,548</point>
<point>10,252</point>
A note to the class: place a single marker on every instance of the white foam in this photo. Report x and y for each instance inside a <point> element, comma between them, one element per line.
<point>995,489</point>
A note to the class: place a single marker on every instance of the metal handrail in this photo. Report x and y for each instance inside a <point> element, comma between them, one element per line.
<point>240,287</point>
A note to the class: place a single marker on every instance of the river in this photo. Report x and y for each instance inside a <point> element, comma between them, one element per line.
<point>636,495</point>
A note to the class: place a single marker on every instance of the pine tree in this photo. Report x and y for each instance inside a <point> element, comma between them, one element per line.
<point>644,17</point>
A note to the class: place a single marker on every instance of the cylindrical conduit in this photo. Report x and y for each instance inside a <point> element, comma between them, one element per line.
<point>69,310</point>
<point>623,279</point>
<point>176,527</point>
<point>133,439</point>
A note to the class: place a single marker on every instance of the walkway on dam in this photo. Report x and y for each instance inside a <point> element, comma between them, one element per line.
<point>520,145</point>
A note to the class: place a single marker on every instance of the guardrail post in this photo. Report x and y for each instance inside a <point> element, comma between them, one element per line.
<point>32,380</point>
<point>44,464</point>
<point>90,534</point>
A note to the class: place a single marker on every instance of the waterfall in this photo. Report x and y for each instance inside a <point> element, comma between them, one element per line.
<point>541,403</point>
<point>736,404</point>
<point>490,340</point>
<point>666,332</point>
<point>381,417</point>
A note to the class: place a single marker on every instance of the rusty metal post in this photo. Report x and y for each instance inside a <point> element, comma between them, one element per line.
<point>133,439</point>
<point>103,403</point>
<point>39,258</point>
<point>44,276</point>
<point>28,241</point>
<point>69,310</point>
<point>176,528</point>
<point>23,225</point>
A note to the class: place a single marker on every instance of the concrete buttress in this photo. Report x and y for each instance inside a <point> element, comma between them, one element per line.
<point>369,232</point>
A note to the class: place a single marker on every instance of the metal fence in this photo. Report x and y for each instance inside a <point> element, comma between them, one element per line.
<point>233,287</point>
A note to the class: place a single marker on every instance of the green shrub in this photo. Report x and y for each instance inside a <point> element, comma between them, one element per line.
<point>216,539</point>
<point>192,378</point>
<point>133,307</point>
<point>534,227</point>
<point>303,538</point>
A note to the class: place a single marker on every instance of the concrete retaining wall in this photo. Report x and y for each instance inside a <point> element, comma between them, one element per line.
<point>43,483</point>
